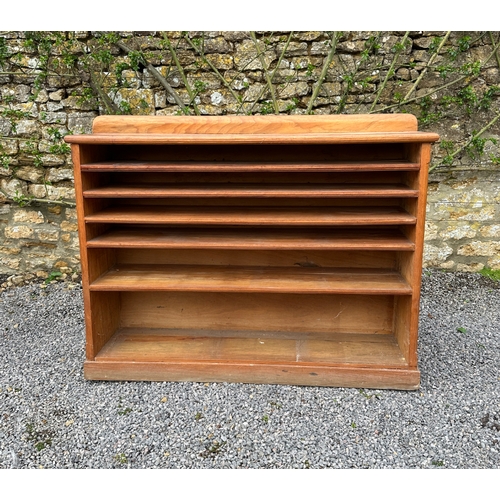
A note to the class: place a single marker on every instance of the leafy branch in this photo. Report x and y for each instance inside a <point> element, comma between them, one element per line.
<point>156,74</point>
<point>270,85</point>
<point>324,71</point>
<point>398,49</point>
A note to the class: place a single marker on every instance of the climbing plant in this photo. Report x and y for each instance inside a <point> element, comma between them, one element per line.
<point>443,77</point>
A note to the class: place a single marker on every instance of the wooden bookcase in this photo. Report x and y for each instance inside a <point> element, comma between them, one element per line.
<point>270,249</point>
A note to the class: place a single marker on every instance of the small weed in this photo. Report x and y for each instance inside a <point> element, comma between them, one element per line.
<point>353,425</point>
<point>52,276</point>
<point>122,410</point>
<point>493,274</point>
<point>265,419</point>
<point>307,464</point>
<point>461,329</point>
<point>368,396</point>
<point>198,416</point>
<point>213,449</point>
<point>121,458</point>
<point>40,439</point>
<point>438,463</point>
<point>266,108</point>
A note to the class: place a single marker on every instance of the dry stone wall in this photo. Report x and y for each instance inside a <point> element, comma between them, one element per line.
<point>55,83</point>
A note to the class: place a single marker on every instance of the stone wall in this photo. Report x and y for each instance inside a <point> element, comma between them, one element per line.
<point>52,84</point>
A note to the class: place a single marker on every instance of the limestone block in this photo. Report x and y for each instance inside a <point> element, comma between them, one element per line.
<point>47,234</point>
<point>217,46</point>
<point>246,55</point>
<point>27,128</point>
<point>54,106</point>
<point>59,174</point>
<point>60,193</point>
<point>58,95</point>
<point>160,99</point>
<point>352,47</point>
<point>286,91</point>
<point>254,91</point>
<point>28,216</point>
<point>68,226</point>
<point>435,256</point>
<point>217,99</point>
<point>37,190</point>
<point>330,89</point>
<point>431,231</point>
<point>54,117</point>
<point>320,48</point>
<point>492,231</point>
<point>54,209</point>
<point>235,36</point>
<point>18,232</point>
<point>294,48</point>
<point>5,127</point>
<point>9,250</point>
<point>492,76</point>
<point>494,262</point>
<point>81,123</point>
<point>71,213</point>
<point>42,97</point>
<point>8,147</point>
<point>10,263</point>
<point>141,101</point>
<point>457,232</point>
<point>221,61</point>
<point>52,160</point>
<point>423,42</point>
<point>307,36</point>
<point>13,187</point>
<point>31,174</point>
<point>482,248</point>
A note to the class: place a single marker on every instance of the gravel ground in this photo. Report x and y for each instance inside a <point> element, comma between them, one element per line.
<point>50,417</point>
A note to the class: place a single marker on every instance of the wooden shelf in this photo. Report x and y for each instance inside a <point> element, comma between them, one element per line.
<point>220,166</point>
<point>253,191</point>
<point>162,345</point>
<point>251,139</point>
<point>249,279</point>
<point>261,239</point>
<point>270,216</point>
<point>256,249</point>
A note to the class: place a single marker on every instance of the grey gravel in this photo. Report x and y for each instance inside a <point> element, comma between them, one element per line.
<point>50,417</point>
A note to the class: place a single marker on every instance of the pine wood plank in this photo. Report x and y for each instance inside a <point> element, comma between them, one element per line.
<point>262,239</point>
<point>382,259</point>
<point>244,372</point>
<point>274,312</point>
<point>321,216</point>
<point>284,124</point>
<point>252,138</point>
<point>218,190</point>
<point>248,166</point>
<point>158,345</point>
<point>251,279</point>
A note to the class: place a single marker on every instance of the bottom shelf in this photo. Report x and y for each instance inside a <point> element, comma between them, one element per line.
<point>356,360</point>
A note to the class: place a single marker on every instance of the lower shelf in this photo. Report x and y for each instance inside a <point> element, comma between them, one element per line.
<point>249,279</point>
<point>357,360</point>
